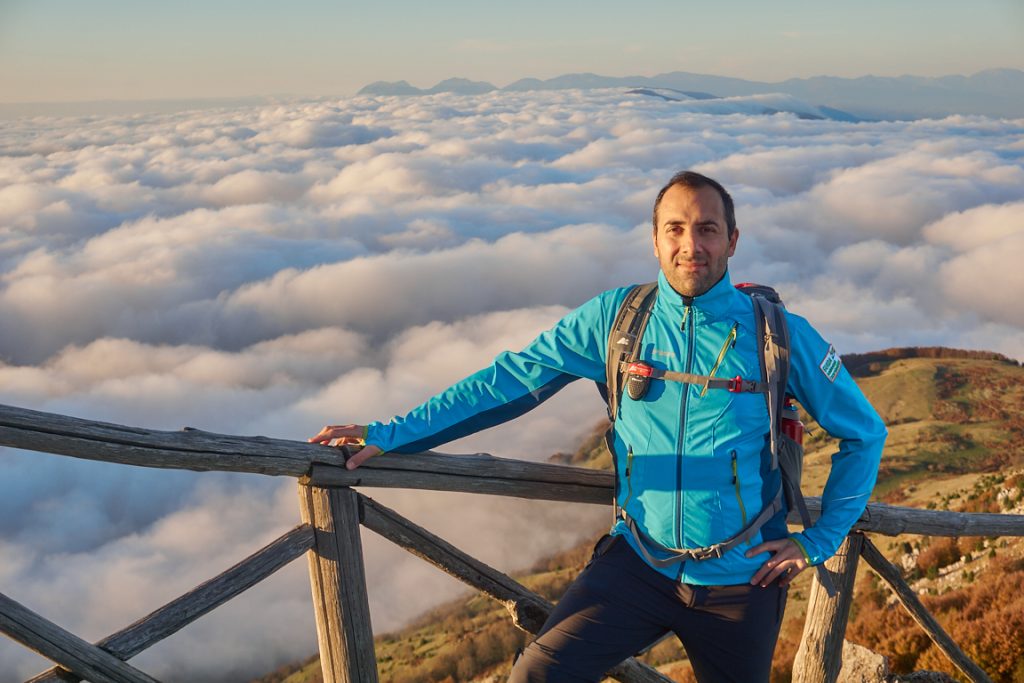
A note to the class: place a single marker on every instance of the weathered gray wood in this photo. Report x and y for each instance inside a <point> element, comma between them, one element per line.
<point>182,611</point>
<point>905,594</point>
<point>529,610</point>
<point>498,476</point>
<point>338,580</point>
<point>63,647</point>
<point>492,476</point>
<point>820,655</point>
<point>479,473</point>
<point>892,520</point>
<point>190,449</point>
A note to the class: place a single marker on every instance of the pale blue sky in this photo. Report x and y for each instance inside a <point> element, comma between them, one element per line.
<point>69,50</point>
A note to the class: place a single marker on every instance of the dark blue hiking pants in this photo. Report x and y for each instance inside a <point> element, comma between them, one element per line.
<point>619,605</point>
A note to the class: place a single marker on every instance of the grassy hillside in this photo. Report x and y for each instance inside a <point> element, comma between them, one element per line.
<point>956,422</point>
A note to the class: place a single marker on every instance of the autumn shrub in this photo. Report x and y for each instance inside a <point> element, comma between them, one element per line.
<point>941,553</point>
<point>986,618</point>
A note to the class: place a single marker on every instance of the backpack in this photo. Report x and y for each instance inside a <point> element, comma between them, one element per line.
<point>623,366</point>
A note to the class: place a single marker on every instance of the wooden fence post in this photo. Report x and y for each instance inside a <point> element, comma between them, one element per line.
<point>338,580</point>
<point>819,657</point>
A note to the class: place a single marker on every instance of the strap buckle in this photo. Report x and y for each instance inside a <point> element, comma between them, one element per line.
<point>738,385</point>
<point>711,552</point>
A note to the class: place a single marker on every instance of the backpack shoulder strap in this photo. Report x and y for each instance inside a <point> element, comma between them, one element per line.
<point>624,340</point>
<point>773,355</point>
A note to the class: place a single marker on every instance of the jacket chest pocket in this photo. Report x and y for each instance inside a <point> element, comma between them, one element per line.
<point>739,416</point>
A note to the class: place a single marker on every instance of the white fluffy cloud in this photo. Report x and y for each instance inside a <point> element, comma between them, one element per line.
<point>267,270</point>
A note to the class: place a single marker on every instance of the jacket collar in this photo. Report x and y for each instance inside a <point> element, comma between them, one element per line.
<point>712,304</point>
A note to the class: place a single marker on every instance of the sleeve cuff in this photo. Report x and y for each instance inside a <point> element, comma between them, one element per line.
<point>372,437</point>
<point>803,548</point>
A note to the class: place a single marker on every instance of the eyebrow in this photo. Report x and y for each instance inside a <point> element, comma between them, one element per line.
<point>708,221</point>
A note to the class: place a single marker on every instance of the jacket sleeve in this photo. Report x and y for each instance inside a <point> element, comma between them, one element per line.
<point>827,391</point>
<point>512,385</point>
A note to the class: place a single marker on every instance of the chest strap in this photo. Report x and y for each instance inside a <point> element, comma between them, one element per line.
<point>736,385</point>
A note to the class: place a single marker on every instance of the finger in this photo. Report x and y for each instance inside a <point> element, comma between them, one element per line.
<point>361,457</point>
<point>784,556</point>
<point>766,547</point>
<point>350,433</point>
<point>773,574</point>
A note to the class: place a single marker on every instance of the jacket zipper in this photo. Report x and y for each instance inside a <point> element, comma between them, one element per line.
<point>736,484</point>
<point>629,482</point>
<point>689,329</point>
<point>730,342</point>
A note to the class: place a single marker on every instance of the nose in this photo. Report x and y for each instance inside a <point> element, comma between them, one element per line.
<point>688,243</point>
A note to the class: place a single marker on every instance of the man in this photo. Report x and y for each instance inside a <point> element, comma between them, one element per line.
<point>693,465</point>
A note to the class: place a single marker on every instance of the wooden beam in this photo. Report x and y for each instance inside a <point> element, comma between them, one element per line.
<point>492,477</point>
<point>338,580</point>
<point>892,520</point>
<point>479,473</point>
<point>529,610</point>
<point>189,449</point>
<point>64,647</point>
<point>182,611</point>
<point>905,594</point>
<point>820,655</point>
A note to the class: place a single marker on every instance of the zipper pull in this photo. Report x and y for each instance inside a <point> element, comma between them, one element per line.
<point>629,460</point>
<point>735,474</point>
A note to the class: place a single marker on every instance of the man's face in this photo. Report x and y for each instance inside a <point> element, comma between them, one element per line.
<point>691,240</point>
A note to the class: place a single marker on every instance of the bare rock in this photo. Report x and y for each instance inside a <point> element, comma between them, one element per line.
<point>861,665</point>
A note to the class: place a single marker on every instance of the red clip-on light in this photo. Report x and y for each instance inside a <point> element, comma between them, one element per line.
<point>641,369</point>
<point>638,379</point>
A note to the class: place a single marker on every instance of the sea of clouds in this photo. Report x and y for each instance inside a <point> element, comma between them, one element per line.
<point>268,270</point>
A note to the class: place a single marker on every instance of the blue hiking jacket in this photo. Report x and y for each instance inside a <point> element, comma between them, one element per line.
<point>692,469</point>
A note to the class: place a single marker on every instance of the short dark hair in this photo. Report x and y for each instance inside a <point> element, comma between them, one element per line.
<point>694,181</point>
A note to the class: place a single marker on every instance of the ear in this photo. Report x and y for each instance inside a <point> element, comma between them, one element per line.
<point>654,239</point>
<point>733,240</point>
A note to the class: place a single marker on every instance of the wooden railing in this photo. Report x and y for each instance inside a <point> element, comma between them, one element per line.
<point>332,511</point>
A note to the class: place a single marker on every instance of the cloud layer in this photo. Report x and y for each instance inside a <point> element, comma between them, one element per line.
<point>268,270</point>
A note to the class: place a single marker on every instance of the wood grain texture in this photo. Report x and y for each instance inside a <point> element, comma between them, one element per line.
<point>905,594</point>
<point>338,582</point>
<point>820,654</point>
<point>190,449</point>
<point>182,611</point>
<point>63,647</point>
<point>479,473</point>
<point>523,482</point>
<point>529,610</point>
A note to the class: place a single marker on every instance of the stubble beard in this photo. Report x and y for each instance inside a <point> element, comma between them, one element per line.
<point>691,284</point>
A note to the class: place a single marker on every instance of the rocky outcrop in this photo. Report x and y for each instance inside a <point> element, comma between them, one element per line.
<point>862,665</point>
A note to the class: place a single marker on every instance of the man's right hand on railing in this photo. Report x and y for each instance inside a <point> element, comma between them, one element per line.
<point>343,435</point>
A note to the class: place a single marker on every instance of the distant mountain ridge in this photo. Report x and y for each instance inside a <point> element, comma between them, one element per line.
<point>993,92</point>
